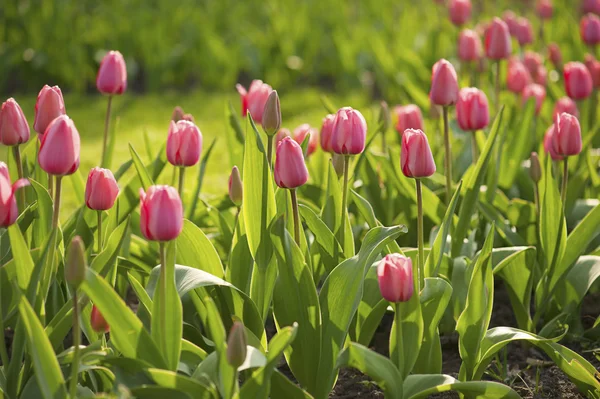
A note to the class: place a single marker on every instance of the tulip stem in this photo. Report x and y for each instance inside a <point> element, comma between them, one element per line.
<point>99,231</point>
<point>474,147</point>
<point>181,181</point>
<point>269,150</point>
<point>420,242</point>
<point>344,203</point>
<point>563,192</point>
<point>296,216</point>
<point>3,352</point>
<point>399,339</point>
<point>497,86</point>
<point>17,154</point>
<point>56,202</point>
<point>76,344</point>
<point>106,124</point>
<point>448,158</point>
<point>50,185</point>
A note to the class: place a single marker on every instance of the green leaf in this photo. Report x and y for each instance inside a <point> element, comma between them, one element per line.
<point>105,263</point>
<point>517,147</point>
<point>472,184</point>
<point>241,263</point>
<point>194,249</point>
<point>170,379</point>
<point>43,222</point>
<point>571,290</point>
<point>235,136</point>
<point>421,386</point>
<point>324,237</point>
<point>145,178</point>
<point>21,268</point>
<point>332,210</point>
<point>376,366</point>
<point>282,387</point>
<point>200,179</point>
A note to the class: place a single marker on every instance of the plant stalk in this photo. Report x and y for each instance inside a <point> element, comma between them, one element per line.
<point>18,161</point>
<point>76,344</point>
<point>474,148</point>
<point>50,185</point>
<point>270,150</point>
<point>181,181</point>
<point>398,360</point>
<point>100,246</point>
<point>448,157</point>
<point>296,216</point>
<point>497,86</point>
<point>563,192</point>
<point>57,193</point>
<point>3,352</point>
<point>420,242</point>
<point>344,203</point>
<point>106,125</point>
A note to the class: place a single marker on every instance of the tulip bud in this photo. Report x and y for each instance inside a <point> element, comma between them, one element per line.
<point>49,105</point>
<point>188,117</point>
<point>544,9</point>
<point>101,189</point>
<point>524,32</point>
<point>415,156</point>
<point>460,11</point>
<point>98,322</point>
<point>578,81</point>
<point>590,29</point>
<point>555,55</point>
<point>497,40</point>
<point>395,277</point>
<point>8,203</point>
<point>112,74</point>
<point>177,114</point>
<point>161,213</point>
<point>327,133</point>
<point>537,92</point>
<point>567,136</point>
<point>236,188</point>
<point>541,77</point>
<point>535,170</point>
<point>444,84</point>
<point>281,134</point>
<point>75,264</point>
<point>184,143</point>
<point>60,147</point>
<point>409,117</point>
<point>511,21</point>
<point>472,109</point>
<point>236,345</point>
<point>533,61</point>
<point>254,99</point>
<point>518,77</point>
<point>14,129</point>
<point>349,132</point>
<point>548,144</point>
<point>338,161</point>
<point>300,134</point>
<point>290,168</point>
<point>469,46</point>
<point>565,104</point>
<point>591,6</point>
<point>593,67</point>
<point>271,120</point>
<point>385,119</point>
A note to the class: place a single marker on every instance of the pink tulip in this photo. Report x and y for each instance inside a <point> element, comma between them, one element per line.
<point>460,11</point>
<point>518,77</point>
<point>236,187</point>
<point>469,46</point>
<point>593,66</point>
<point>555,55</point>
<point>548,144</point>
<point>281,134</point>
<point>541,77</point>
<point>591,6</point>
<point>578,81</point>
<point>590,29</point>
<point>101,189</point>
<point>300,134</point>
<point>184,143</point>
<point>327,133</point>
<point>290,168</point>
<point>544,9</point>
<point>415,156</point>
<point>497,40</point>
<point>8,203</point>
<point>112,74</point>
<point>60,147</point>
<point>533,61</point>
<point>524,32</point>
<point>349,132</point>
<point>444,84</point>
<point>254,99</point>
<point>472,109</point>
<point>511,21</point>
<point>49,105</point>
<point>395,277</point>
<point>537,92</point>
<point>98,322</point>
<point>14,129</point>
<point>161,213</point>
<point>409,117</point>
<point>565,104</point>
<point>567,136</point>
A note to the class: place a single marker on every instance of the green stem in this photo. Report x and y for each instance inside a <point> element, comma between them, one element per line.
<point>474,148</point>
<point>497,86</point>
<point>106,125</point>
<point>448,158</point>
<point>344,203</point>
<point>181,181</point>
<point>3,352</point>
<point>99,231</point>
<point>536,196</point>
<point>383,141</point>
<point>563,192</point>
<point>421,270</point>
<point>56,202</point>
<point>398,359</point>
<point>270,150</point>
<point>50,185</point>
<point>17,154</point>
<point>296,216</point>
<point>76,344</point>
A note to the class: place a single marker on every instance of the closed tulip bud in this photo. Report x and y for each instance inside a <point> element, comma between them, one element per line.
<point>281,134</point>
<point>300,134</point>
<point>177,114</point>
<point>533,61</point>
<point>8,203</point>
<point>444,84</point>
<point>565,104</point>
<point>184,143</point>
<point>535,91</point>
<point>548,144</point>
<point>469,46</point>
<point>385,119</point>
<point>161,214</point>
<point>593,67</point>
<point>112,74</point>
<point>590,29</point>
<point>497,40</point>
<point>349,132</point>
<point>236,188</point>
<point>75,264</point>
<point>541,76</point>
<point>395,277</point>
<point>60,147</point>
<point>518,77</point>
<point>524,32</point>
<point>271,120</point>
<point>591,6</point>
<point>578,81</point>
<point>415,157</point>
<point>101,189</point>
<point>555,55</point>
<point>188,117</point>
<point>49,105</point>
<point>511,21</point>
<point>567,136</point>
<point>14,129</point>
<point>338,164</point>
<point>236,345</point>
<point>254,99</point>
<point>409,117</point>
<point>290,168</point>
<point>544,9</point>
<point>99,324</point>
<point>535,170</point>
<point>472,109</point>
<point>327,133</point>
<point>460,11</point>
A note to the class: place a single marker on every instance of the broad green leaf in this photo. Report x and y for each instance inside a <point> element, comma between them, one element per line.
<point>105,263</point>
<point>376,366</point>
<point>21,268</point>
<point>371,309</point>
<point>194,249</point>
<point>145,178</point>
<point>571,290</point>
<point>282,387</point>
<point>517,146</point>
<point>43,222</point>
<point>504,229</point>
<point>241,263</point>
<point>156,392</point>
<point>323,235</point>
<point>331,213</point>
<point>235,136</point>
<point>170,379</point>
<point>421,386</point>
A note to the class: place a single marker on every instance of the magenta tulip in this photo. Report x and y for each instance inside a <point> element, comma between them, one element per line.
<point>112,74</point>
<point>518,76</point>
<point>8,203</point>
<point>565,104</point>
<point>161,213</point>
<point>49,105</point>
<point>472,109</point>
<point>415,156</point>
<point>511,21</point>
<point>349,132</point>
<point>327,133</point>
<point>544,9</point>
<point>101,189</point>
<point>300,134</point>
<point>395,277</point>
<point>590,29</point>
<point>567,137</point>
<point>549,144</point>
<point>184,143</point>
<point>591,6</point>
<point>555,55</point>
<point>497,40</point>
<point>578,81</point>
<point>254,99</point>
<point>469,46</point>
<point>593,67</point>
<point>444,84</point>
<point>14,129</point>
<point>409,117</point>
<point>290,168</point>
<point>524,33</point>
<point>281,134</point>
<point>60,147</point>
<point>460,11</point>
<point>536,92</point>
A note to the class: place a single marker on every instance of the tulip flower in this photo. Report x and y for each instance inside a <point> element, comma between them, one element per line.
<point>533,61</point>
<point>524,33</point>
<point>497,40</point>
<point>9,210</point>
<point>593,67</point>
<point>566,142</point>
<point>98,322</point>
<point>291,172</point>
<point>254,99</point>
<point>416,158</point>
<point>281,134</point>
<point>101,192</point>
<point>565,104</point>
<point>327,133</point>
<point>544,9</point>
<point>469,46</point>
<point>409,117</point>
<point>236,188</point>
<point>536,92</point>
<point>590,29</point>
<point>548,144</point>
<point>184,145</point>
<point>541,77</point>
<point>535,169</point>
<point>395,277</point>
<point>271,120</point>
<point>49,105</point>
<point>518,77</point>
<point>161,213</point>
<point>472,114</point>
<point>511,21</point>
<point>555,55</point>
<point>14,129</point>
<point>236,345</point>
<point>591,6</point>
<point>460,11</point>
<point>300,134</point>
<point>578,81</point>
